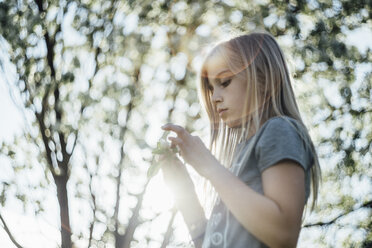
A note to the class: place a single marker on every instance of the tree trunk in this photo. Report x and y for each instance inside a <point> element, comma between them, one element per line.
<point>61,183</point>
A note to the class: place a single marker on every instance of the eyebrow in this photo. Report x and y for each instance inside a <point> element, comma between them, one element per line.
<point>221,73</point>
<point>217,77</point>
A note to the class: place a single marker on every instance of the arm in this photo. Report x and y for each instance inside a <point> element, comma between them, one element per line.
<point>185,199</point>
<point>194,217</point>
<point>275,217</point>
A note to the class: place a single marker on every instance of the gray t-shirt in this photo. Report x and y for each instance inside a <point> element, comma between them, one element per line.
<point>276,140</point>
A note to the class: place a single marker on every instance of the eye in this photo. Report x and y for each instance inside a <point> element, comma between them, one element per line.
<point>226,83</point>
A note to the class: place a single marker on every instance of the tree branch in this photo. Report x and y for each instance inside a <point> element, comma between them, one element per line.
<point>132,225</point>
<point>365,205</point>
<point>40,120</point>
<point>75,142</point>
<point>9,233</point>
<point>169,231</point>
<point>133,222</point>
<point>94,203</point>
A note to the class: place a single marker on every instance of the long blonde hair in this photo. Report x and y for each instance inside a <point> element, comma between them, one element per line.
<point>269,92</point>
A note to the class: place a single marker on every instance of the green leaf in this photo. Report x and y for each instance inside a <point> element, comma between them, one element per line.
<point>76,62</point>
<point>153,170</point>
<point>162,148</point>
<point>11,153</point>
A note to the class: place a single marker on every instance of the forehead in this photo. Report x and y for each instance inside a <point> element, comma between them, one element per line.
<point>216,67</point>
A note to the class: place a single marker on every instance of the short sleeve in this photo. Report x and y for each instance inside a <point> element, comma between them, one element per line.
<point>280,140</point>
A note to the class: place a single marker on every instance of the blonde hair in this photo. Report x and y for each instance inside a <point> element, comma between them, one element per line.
<point>269,93</point>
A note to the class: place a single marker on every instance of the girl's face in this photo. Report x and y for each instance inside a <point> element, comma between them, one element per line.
<point>228,91</point>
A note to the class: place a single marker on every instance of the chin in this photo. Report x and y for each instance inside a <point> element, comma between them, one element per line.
<point>233,123</point>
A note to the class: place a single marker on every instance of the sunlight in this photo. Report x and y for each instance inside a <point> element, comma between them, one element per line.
<point>158,204</point>
<point>158,195</point>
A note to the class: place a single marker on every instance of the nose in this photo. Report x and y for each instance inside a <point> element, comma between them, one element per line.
<point>216,96</point>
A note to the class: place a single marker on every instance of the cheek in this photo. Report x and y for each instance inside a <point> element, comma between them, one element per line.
<point>241,97</point>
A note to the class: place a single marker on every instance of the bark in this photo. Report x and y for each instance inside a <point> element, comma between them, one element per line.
<point>61,183</point>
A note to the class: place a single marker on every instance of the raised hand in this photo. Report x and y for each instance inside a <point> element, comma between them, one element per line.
<point>174,171</point>
<point>192,149</point>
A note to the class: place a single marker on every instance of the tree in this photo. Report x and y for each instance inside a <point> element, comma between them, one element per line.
<point>88,72</point>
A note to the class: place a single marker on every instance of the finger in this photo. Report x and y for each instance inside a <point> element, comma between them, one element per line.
<point>181,132</point>
<point>176,141</point>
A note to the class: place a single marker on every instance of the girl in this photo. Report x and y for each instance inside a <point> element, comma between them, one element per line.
<point>261,159</point>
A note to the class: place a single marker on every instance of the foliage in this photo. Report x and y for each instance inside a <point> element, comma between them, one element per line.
<point>96,78</point>
<point>164,149</point>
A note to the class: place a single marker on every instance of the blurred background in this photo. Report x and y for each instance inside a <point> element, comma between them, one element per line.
<point>86,85</point>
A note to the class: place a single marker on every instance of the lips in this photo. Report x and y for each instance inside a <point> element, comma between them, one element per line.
<point>221,110</point>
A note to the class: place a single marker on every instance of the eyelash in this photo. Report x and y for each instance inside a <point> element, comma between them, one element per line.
<point>224,84</point>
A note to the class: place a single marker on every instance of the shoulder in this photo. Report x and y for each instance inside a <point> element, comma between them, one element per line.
<point>280,126</point>
<point>282,132</point>
<point>283,138</point>
<point>281,122</point>
<point>276,131</point>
